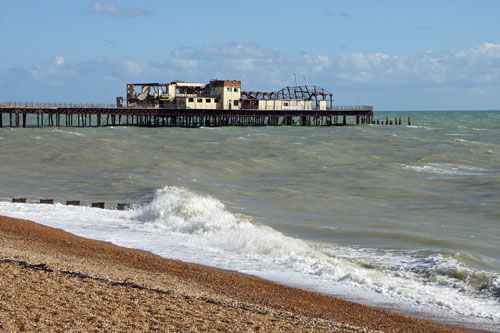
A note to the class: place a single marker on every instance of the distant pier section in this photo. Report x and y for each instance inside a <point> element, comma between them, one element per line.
<point>185,104</point>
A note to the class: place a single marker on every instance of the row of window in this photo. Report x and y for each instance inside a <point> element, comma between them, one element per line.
<point>208,100</point>
<point>234,89</point>
<point>200,100</point>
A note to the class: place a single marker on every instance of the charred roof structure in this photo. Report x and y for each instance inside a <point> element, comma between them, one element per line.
<point>315,96</point>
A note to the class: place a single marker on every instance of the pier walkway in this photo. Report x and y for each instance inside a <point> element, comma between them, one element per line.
<point>90,115</point>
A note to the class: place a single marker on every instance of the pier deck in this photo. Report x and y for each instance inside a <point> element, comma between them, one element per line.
<point>26,115</point>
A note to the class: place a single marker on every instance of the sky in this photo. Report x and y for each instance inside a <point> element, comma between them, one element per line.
<point>394,54</point>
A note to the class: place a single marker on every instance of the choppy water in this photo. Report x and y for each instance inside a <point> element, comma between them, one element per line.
<point>396,216</point>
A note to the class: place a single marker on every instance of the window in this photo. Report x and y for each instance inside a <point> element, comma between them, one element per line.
<point>236,103</point>
<point>285,104</point>
<point>229,89</point>
<point>216,100</point>
<point>235,89</point>
<point>200,100</point>
<point>208,100</point>
<point>191,100</point>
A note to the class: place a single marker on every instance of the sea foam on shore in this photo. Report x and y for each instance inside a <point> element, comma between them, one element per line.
<point>183,225</point>
<point>55,280</point>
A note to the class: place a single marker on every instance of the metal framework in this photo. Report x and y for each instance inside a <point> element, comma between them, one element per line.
<point>314,93</point>
<point>249,99</point>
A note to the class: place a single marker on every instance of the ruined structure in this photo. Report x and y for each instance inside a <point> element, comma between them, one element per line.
<point>185,104</point>
<point>224,95</point>
<point>217,94</point>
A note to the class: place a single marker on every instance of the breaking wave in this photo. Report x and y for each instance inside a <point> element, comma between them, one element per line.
<point>180,224</point>
<point>418,280</point>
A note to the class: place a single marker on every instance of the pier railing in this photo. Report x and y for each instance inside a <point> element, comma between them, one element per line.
<point>351,108</point>
<point>58,105</point>
<point>113,106</point>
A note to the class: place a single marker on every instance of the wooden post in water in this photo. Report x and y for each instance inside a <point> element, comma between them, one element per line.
<point>123,206</point>
<point>47,201</point>
<point>19,200</point>
<point>73,203</point>
<point>409,123</point>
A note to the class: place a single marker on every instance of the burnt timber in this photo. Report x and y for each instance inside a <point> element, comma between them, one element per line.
<point>96,116</point>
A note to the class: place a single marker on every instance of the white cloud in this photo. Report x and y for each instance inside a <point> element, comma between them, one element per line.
<point>473,72</point>
<point>59,60</point>
<point>110,8</point>
<point>186,64</point>
<point>480,64</point>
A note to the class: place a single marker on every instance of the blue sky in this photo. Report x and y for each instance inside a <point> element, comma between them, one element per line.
<point>395,55</point>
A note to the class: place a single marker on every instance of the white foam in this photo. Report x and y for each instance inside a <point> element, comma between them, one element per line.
<point>183,225</point>
<point>424,127</point>
<point>446,169</point>
<point>67,132</point>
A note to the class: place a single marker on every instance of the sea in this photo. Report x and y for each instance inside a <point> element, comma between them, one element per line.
<point>401,217</point>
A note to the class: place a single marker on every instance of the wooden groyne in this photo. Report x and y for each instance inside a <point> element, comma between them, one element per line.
<point>119,206</point>
<point>70,115</point>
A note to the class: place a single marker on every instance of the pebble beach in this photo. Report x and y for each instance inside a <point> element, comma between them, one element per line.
<point>53,280</point>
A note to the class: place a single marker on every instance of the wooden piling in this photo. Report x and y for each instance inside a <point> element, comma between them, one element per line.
<point>73,203</point>
<point>47,201</point>
<point>19,200</point>
<point>409,122</point>
<point>123,206</point>
<point>98,205</point>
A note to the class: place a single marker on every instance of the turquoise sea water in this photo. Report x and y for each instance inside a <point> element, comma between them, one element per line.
<point>406,217</point>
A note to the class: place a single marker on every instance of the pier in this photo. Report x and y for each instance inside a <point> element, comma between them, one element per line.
<point>90,115</point>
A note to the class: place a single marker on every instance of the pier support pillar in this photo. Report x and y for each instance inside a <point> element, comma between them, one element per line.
<point>344,122</point>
